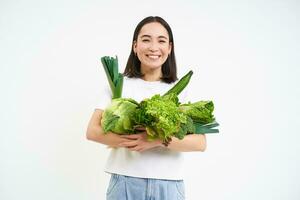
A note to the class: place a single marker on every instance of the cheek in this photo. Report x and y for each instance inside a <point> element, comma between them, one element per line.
<point>141,47</point>
<point>166,47</point>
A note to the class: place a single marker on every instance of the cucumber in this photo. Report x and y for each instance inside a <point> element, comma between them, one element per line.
<point>181,84</point>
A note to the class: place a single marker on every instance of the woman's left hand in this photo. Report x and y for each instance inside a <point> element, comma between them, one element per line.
<point>139,142</point>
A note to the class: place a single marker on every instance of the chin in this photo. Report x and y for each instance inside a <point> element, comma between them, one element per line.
<point>153,67</point>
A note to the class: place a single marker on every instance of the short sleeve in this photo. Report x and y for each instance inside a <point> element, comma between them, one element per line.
<point>104,98</point>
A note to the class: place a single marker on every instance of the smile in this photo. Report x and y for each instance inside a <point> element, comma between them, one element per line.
<point>153,56</point>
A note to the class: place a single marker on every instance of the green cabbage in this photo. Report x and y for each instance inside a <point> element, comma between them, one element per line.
<point>118,117</point>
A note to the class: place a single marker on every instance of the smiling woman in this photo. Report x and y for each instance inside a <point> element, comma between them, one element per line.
<point>152,48</point>
<point>140,169</point>
<point>152,55</point>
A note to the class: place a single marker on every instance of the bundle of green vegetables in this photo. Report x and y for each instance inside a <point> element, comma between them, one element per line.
<point>163,116</point>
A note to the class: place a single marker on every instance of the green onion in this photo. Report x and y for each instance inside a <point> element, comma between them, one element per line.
<point>115,79</point>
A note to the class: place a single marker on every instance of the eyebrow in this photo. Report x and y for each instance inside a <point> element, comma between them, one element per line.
<point>161,36</point>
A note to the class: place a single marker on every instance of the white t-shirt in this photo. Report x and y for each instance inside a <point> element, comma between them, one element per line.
<point>158,162</point>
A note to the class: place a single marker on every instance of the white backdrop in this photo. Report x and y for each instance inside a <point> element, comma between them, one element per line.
<point>243,53</point>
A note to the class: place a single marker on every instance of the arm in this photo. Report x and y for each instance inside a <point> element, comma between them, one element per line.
<point>192,142</point>
<point>95,133</point>
<point>138,142</point>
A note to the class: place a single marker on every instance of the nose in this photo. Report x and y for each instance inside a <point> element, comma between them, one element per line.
<point>153,46</point>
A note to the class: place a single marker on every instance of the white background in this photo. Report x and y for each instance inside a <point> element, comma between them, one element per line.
<point>245,55</point>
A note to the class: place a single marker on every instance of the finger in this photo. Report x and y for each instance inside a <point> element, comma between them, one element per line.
<point>127,139</point>
<point>133,136</point>
<point>128,144</point>
<point>131,147</point>
<point>135,148</point>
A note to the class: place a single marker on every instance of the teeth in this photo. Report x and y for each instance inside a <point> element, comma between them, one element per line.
<point>154,57</point>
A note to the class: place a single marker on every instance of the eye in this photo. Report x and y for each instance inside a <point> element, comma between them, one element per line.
<point>145,40</point>
<point>162,41</point>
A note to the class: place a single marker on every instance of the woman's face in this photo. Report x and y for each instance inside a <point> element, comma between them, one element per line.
<point>152,46</point>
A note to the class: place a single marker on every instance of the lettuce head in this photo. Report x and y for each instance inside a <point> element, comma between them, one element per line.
<point>118,117</point>
<point>161,116</point>
<point>200,111</point>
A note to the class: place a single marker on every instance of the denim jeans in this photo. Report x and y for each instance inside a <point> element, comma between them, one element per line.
<point>131,188</point>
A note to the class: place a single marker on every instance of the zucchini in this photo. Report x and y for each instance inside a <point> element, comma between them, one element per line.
<point>181,84</point>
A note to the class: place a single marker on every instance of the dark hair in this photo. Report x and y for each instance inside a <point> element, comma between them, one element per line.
<point>169,68</point>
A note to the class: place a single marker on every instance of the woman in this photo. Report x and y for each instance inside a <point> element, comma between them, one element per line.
<point>141,169</point>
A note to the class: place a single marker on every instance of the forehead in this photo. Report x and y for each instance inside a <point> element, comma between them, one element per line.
<point>154,29</point>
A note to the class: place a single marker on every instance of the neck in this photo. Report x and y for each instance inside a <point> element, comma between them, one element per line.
<point>151,75</point>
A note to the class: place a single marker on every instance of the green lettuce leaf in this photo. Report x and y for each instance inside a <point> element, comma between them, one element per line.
<point>200,111</point>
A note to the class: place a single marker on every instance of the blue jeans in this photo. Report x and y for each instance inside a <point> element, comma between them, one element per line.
<point>131,188</point>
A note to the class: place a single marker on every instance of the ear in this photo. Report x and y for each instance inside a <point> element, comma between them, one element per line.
<point>170,47</point>
<point>134,44</point>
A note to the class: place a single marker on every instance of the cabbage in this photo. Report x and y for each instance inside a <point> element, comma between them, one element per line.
<point>118,117</point>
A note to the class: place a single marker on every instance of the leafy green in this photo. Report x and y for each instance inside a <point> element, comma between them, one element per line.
<point>161,116</point>
<point>185,128</point>
<point>200,111</point>
<point>118,117</point>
